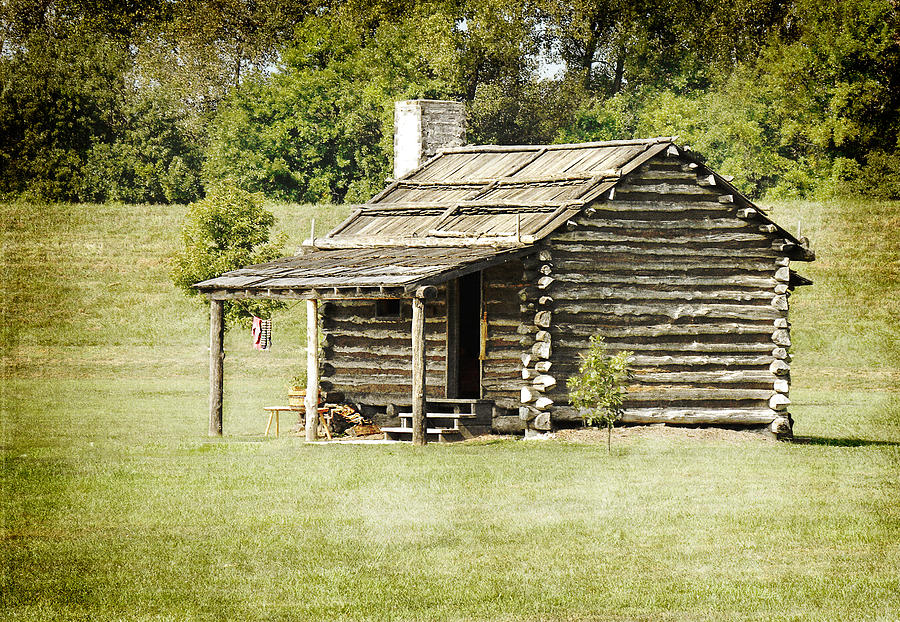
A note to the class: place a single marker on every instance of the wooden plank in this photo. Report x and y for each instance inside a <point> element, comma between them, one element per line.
<point>216,365</point>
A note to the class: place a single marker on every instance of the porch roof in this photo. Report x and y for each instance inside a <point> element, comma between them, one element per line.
<point>383,271</point>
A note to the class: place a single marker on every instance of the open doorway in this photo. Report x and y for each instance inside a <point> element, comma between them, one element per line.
<point>464,339</point>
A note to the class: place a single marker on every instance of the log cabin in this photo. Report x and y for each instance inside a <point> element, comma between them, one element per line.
<point>459,299</point>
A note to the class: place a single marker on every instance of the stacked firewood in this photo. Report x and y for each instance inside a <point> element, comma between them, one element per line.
<point>346,420</point>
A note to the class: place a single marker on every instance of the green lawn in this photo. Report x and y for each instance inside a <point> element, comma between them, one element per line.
<point>115,505</point>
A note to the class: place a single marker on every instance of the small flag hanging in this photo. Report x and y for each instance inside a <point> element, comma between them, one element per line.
<point>262,333</point>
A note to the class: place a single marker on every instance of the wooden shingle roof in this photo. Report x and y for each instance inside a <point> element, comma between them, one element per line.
<point>462,210</point>
<point>492,194</point>
<point>370,271</point>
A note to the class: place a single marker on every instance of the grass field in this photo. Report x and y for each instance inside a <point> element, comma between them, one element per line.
<point>115,505</point>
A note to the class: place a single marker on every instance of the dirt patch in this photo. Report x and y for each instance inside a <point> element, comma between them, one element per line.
<point>633,432</point>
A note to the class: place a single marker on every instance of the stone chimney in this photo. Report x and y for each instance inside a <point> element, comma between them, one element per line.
<point>422,127</point>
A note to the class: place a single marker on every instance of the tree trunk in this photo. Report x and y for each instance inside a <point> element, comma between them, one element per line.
<point>619,77</point>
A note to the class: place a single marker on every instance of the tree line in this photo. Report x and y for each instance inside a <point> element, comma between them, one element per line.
<point>155,100</point>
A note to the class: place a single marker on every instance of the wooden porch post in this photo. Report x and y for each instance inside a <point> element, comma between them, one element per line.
<point>216,365</point>
<point>312,368</point>
<point>418,364</point>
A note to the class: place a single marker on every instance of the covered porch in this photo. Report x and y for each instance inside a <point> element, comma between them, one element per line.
<point>391,273</point>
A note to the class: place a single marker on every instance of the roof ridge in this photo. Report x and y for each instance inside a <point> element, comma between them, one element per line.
<point>555,147</point>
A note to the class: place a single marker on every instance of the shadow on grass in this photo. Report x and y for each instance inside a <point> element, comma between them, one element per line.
<point>842,442</point>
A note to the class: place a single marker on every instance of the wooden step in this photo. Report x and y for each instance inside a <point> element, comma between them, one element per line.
<point>441,415</point>
<point>457,400</point>
<point>403,430</point>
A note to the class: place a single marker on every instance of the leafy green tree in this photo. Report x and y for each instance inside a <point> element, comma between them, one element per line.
<point>599,389</point>
<point>321,128</point>
<point>59,96</point>
<point>226,230</point>
<point>153,157</point>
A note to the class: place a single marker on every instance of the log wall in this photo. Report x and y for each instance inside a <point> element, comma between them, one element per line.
<point>502,367</point>
<point>368,360</point>
<point>668,269</point>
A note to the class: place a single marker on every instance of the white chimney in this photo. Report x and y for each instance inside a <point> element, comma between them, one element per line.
<point>422,127</point>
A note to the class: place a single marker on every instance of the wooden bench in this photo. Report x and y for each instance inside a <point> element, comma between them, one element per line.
<point>297,405</point>
<point>274,411</point>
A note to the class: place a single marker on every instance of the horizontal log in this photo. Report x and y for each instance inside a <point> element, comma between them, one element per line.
<point>685,416</point>
<point>374,351</point>
<point>686,208</point>
<point>388,364</point>
<point>639,347</point>
<point>599,251</point>
<point>611,293</point>
<point>388,384</point>
<point>433,331</point>
<point>664,226</point>
<point>700,238</point>
<point>660,330</point>
<point>706,377</point>
<point>339,370</point>
<point>690,189</point>
<point>677,280</point>
<point>651,361</point>
<point>607,262</point>
<point>723,416</point>
<point>673,311</point>
<point>674,361</point>
<point>670,175</point>
<point>657,393</point>
<point>758,377</point>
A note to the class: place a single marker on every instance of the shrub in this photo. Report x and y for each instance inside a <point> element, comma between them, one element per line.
<point>228,229</point>
<point>599,390</point>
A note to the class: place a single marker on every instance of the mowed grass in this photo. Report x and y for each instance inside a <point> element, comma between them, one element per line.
<point>117,506</point>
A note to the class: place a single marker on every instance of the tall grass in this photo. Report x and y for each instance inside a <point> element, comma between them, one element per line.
<point>116,506</point>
